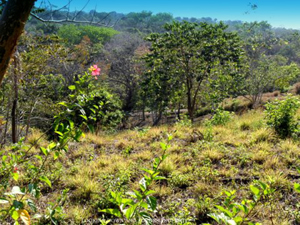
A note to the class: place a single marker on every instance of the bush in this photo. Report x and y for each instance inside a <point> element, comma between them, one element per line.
<point>280,116</point>
<point>90,105</point>
<point>97,109</point>
<point>220,117</point>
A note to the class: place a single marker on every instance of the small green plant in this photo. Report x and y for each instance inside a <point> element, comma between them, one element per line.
<point>20,200</point>
<point>208,132</point>
<point>184,121</point>
<point>280,116</point>
<point>142,204</point>
<point>232,212</point>
<point>221,117</point>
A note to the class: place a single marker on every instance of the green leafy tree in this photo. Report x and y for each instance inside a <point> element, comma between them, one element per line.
<point>74,34</point>
<point>188,56</point>
<point>269,73</point>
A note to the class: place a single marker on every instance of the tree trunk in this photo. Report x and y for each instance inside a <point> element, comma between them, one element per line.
<point>178,111</point>
<point>14,122</point>
<point>12,22</point>
<point>14,125</point>
<point>190,107</point>
<point>158,118</point>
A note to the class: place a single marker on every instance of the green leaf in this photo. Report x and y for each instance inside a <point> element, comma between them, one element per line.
<point>114,212</point>
<point>34,190</point>
<point>52,145</point>
<point>38,157</point>
<point>129,212</point>
<point>84,117</point>
<point>72,87</point>
<point>18,204</point>
<point>15,176</point>
<point>150,192</point>
<point>46,180</point>
<point>44,150</point>
<point>15,215</point>
<point>163,146</point>
<point>159,178</point>
<point>152,202</point>
<point>297,187</point>
<point>138,195</point>
<point>255,190</point>
<point>63,103</point>
<point>225,211</point>
<point>149,171</point>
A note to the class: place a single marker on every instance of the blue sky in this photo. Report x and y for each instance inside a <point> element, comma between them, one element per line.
<point>279,13</point>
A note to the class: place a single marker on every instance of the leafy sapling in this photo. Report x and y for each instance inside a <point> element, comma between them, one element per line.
<point>141,204</point>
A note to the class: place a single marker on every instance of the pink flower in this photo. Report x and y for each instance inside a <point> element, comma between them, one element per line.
<point>95,70</point>
<point>16,169</point>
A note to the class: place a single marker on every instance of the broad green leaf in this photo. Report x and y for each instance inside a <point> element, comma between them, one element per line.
<point>46,180</point>
<point>129,212</point>
<point>255,190</point>
<point>14,214</point>
<point>52,145</point>
<point>114,212</point>
<point>151,202</point>
<point>34,190</point>
<point>149,171</point>
<point>44,150</point>
<point>72,87</point>
<point>15,176</point>
<point>225,211</point>
<point>149,192</point>
<point>297,187</point>
<point>159,178</point>
<point>63,103</point>
<point>139,196</point>
<point>163,146</point>
<point>18,204</point>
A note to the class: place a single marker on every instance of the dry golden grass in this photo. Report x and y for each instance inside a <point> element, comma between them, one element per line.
<point>239,152</point>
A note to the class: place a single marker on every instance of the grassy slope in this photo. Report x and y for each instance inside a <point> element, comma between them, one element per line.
<point>197,170</point>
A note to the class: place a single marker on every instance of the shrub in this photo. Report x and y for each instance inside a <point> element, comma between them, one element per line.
<point>97,109</point>
<point>280,116</point>
<point>91,106</point>
<point>220,117</point>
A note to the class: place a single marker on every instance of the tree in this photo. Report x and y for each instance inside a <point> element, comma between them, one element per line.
<point>186,58</point>
<point>268,74</point>
<point>74,34</point>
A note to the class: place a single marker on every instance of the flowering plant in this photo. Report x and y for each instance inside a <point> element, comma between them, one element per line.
<point>95,70</point>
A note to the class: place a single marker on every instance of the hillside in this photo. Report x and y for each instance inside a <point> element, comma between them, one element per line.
<point>201,165</point>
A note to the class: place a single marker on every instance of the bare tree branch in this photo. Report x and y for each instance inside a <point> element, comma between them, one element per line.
<point>93,21</point>
<point>100,23</point>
